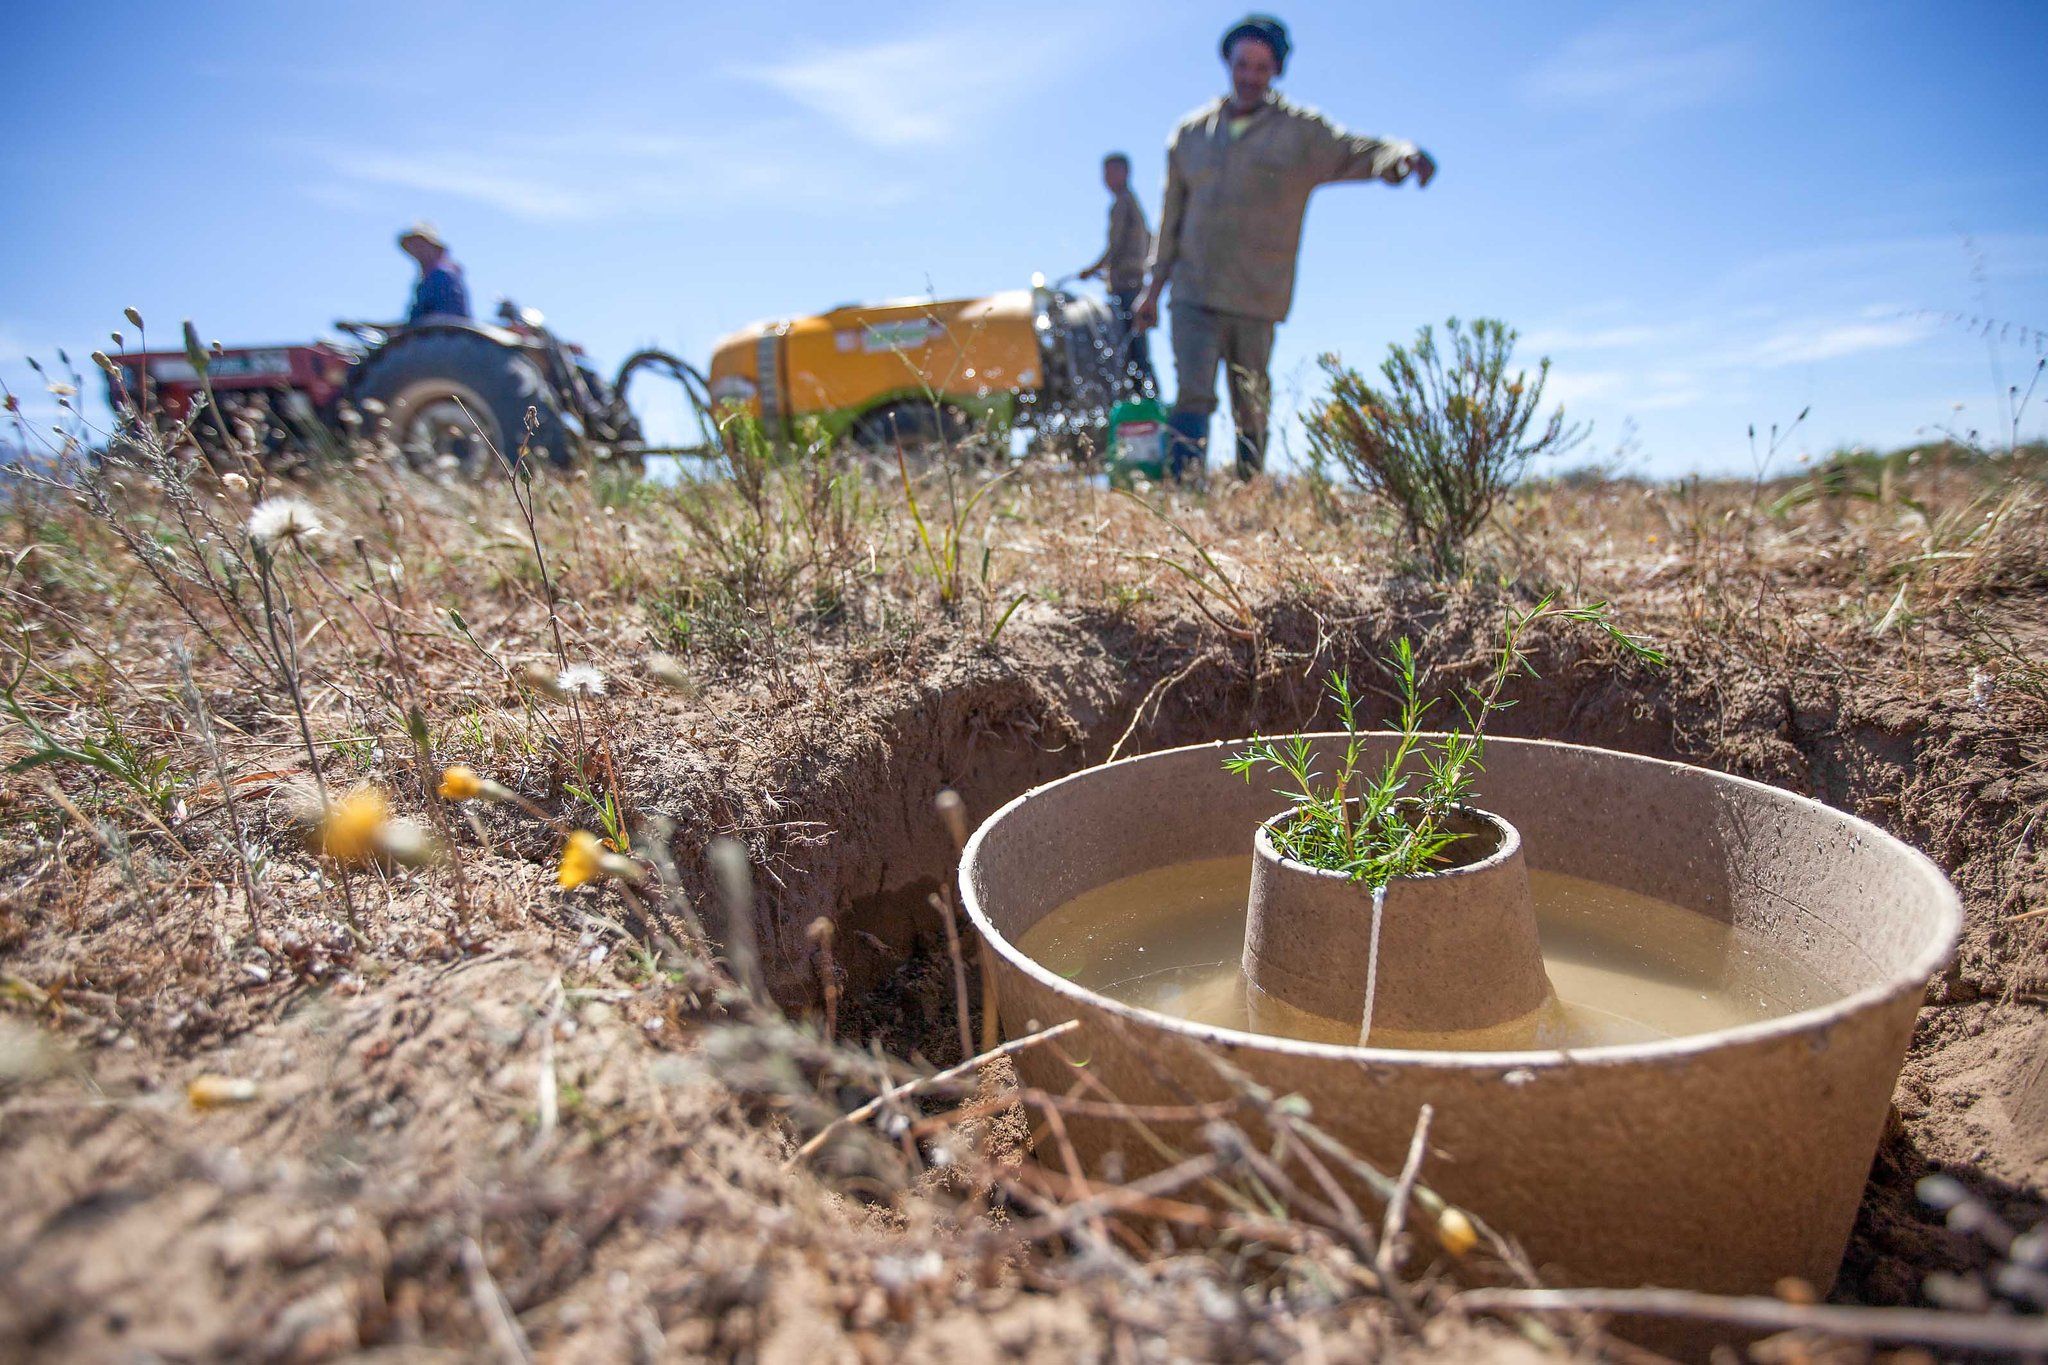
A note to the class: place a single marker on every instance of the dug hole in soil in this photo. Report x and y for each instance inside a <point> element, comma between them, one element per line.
<point>1070,690</point>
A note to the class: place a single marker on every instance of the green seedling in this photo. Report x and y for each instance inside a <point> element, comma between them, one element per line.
<point>1374,824</point>
<point>610,816</point>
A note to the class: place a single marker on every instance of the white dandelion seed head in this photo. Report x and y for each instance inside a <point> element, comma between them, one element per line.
<point>406,842</point>
<point>1217,1303</point>
<point>235,483</point>
<point>285,521</point>
<point>1982,683</point>
<point>581,680</point>
<point>898,1271</point>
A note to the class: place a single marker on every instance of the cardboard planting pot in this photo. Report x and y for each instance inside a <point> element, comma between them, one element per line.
<point>1722,1162</point>
<point>1457,962</point>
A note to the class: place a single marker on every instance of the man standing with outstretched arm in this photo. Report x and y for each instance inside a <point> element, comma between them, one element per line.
<point>1239,171</point>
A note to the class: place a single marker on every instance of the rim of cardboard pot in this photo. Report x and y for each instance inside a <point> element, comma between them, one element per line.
<point>1909,979</point>
<point>1507,843</point>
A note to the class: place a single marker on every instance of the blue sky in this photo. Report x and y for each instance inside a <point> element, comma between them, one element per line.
<point>1707,216</point>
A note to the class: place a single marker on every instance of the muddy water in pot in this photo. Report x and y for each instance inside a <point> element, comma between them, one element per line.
<point>1627,968</point>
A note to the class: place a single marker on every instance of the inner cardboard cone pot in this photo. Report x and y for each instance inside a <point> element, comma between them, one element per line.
<point>1453,962</point>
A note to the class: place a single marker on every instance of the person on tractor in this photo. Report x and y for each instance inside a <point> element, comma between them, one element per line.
<point>1122,263</point>
<point>1239,171</point>
<point>440,290</point>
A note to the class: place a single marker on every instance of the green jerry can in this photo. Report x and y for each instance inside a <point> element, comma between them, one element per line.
<point>1140,441</point>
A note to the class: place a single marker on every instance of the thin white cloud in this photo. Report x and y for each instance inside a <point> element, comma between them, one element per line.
<point>1652,390</point>
<point>594,175</point>
<point>521,193</point>
<point>1568,338</point>
<point>1639,67</point>
<point>925,91</point>
<point>1624,367</point>
<point>1812,343</point>
<point>1571,387</point>
<point>1952,262</point>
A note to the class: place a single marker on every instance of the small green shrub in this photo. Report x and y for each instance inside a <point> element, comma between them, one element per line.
<point>1443,436</point>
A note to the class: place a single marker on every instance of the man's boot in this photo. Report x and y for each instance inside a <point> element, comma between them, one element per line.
<point>1190,443</point>
<point>1251,454</point>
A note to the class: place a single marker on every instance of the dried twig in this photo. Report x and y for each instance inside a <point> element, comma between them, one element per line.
<point>912,1087</point>
<point>1389,1260</point>
<point>953,814</point>
<point>1156,697</point>
<point>1117,1197</point>
<point>820,933</point>
<point>547,1089</point>
<point>1924,1326</point>
<point>943,903</point>
<point>506,1334</point>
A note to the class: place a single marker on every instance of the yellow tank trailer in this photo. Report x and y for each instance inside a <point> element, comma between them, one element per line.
<point>923,369</point>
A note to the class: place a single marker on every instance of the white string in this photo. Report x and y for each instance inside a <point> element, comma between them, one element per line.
<point>1372,962</point>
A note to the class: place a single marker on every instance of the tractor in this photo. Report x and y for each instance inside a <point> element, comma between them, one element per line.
<point>448,392</point>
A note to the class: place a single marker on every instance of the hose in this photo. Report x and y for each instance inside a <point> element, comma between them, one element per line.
<point>694,384</point>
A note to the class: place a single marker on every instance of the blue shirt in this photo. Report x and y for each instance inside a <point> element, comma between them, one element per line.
<point>440,291</point>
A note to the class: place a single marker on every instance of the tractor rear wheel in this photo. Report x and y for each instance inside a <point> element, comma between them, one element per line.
<point>453,395</point>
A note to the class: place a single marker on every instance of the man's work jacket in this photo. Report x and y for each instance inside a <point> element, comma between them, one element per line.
<point>1230,227</point>
<point>1130,243</point>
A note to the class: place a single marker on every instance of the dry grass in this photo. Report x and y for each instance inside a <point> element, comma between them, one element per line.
<point>194,705</point>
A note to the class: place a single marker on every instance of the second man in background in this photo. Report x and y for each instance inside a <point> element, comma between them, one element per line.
<point>1122,264</point>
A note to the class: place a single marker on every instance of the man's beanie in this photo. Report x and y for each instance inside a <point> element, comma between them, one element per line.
<point>1266,29</point>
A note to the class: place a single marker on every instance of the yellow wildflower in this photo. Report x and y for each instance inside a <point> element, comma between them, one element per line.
<point>216,1092</point>
<point>582,860</point>
<point>585,859</point>
<point>1455,1233</point>
<point>349,833</point>
<point>461,782</point>
<point>358,830</point>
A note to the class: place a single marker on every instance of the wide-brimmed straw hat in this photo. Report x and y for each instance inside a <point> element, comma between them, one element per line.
<point>422,231</point>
